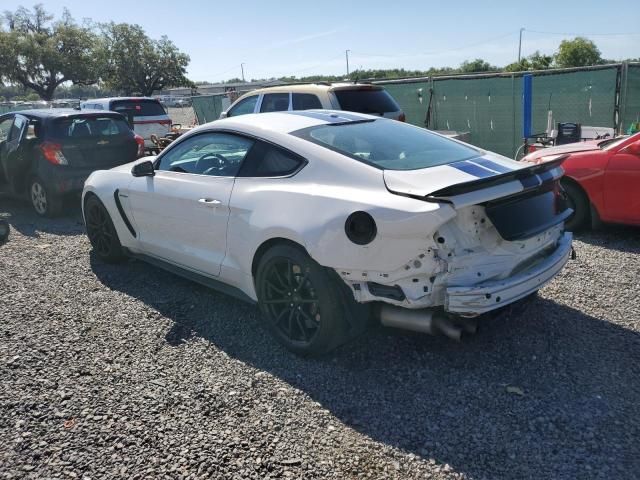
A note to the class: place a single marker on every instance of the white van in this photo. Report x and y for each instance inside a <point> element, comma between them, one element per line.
<point>146,115</point>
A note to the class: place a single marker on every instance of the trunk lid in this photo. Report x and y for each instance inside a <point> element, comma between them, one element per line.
<point>146,115</point>
<point>521,200</point>
<point>425,181</point>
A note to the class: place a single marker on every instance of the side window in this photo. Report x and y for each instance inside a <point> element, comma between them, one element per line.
<point>245,106</point>
<point>5,128</point>
<point>266,160</point>
<point>16,128</point>
<point>306,101</point>
<point>216,154</point>
<point>275,102</point>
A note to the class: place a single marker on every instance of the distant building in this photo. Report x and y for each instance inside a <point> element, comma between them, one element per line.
<point>233,89</point>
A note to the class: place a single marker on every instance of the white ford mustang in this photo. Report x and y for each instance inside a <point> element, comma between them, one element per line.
<point>319,215</point>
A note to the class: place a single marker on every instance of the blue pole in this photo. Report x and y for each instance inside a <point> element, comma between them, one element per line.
<point>527,104</point>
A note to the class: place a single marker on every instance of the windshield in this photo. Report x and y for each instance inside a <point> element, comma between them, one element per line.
<point>389,144</point>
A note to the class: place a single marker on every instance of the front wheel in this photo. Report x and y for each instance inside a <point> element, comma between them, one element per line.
<point>102,234</point>
<point>44,202</point>
<point>301,302</point>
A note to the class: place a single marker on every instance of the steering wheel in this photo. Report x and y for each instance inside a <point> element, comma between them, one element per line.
<point>209,162</point>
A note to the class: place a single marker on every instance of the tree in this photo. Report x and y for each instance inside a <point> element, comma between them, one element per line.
<point>535,61</point>
<point>136,64</point>
<point>477,65</point>
<point>41,55</point>
<point>579,52</point>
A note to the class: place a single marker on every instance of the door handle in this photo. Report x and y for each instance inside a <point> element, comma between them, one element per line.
<point>209,202</point>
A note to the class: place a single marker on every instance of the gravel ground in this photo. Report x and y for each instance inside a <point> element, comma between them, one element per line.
<point>183,115</point>
<point>127,371</point>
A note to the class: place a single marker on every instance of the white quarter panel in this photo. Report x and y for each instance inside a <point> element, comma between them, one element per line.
<point>311,208</point>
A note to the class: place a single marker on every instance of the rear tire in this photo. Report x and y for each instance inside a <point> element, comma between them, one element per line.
<point>579,202</point>
<point>302,304</point>
<point>44,202</point>
<point>101,232</point>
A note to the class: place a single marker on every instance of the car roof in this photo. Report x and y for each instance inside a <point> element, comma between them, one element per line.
<point>60,112</point>
<point>314,88</point>
<point>110,99</point>
<point>289,121</point>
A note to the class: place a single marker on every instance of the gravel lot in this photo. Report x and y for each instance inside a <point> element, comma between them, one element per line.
<point>183,115</point>
<point>127,371</point>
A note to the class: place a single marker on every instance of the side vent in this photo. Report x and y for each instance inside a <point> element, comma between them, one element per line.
<point>125,219</point>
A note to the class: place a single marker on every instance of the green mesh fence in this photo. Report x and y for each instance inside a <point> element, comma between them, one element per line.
<point>14,108</point>
<point>631,97</point>
<point>489,107</point>
<point>207,107</point>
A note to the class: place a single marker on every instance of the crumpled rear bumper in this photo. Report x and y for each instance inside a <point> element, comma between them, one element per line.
<point>487,296</point>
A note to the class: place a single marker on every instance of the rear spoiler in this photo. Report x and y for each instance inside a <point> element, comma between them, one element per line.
<point>530,178</point>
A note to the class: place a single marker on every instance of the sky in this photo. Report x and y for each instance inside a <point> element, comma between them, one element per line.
<point>301,38</point>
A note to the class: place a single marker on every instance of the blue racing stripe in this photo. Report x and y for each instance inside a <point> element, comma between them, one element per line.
<point>472,169</point>
<point>492,165</point>
<point>530,182</point>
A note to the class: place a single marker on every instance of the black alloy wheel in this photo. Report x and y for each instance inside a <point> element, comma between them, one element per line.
<point>305,306</point>
<point>291,301</point>
<point>102,234</point>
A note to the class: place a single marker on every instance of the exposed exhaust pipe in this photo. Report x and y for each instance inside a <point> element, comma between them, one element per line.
<point>426,321</point>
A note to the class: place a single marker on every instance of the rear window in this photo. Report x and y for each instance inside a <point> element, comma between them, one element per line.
<point>139,108</point>
<point>372,101</point>
<point>388,144</point>
<point>86,127</point>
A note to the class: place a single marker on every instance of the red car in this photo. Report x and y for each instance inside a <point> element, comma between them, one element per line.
<point>602,180</point>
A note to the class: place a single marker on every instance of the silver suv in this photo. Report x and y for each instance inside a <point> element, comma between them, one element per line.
<point>351,97</point>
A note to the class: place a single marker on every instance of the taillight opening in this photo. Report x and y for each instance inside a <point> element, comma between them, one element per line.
<point>52,153</point>
<point>140,142</point>
<point>560,197</point>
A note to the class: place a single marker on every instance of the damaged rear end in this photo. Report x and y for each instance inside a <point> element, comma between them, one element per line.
<point>507,239</point>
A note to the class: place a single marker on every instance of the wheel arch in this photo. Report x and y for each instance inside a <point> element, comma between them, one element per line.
<point>268,244</point>
<point>573,182</point>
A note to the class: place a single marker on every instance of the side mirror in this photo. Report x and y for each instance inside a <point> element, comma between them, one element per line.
<point>143,169</point>
<point>224,115</point>
<point>632,148</point>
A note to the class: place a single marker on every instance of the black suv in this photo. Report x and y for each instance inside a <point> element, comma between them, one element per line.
<point>48,154</point>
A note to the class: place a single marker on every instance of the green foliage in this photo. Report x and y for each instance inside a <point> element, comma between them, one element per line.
<point>535,61</point>
<point>579,52</point>
<point>477,65</point>
<point>40,54</point>
<point>135,64</point>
